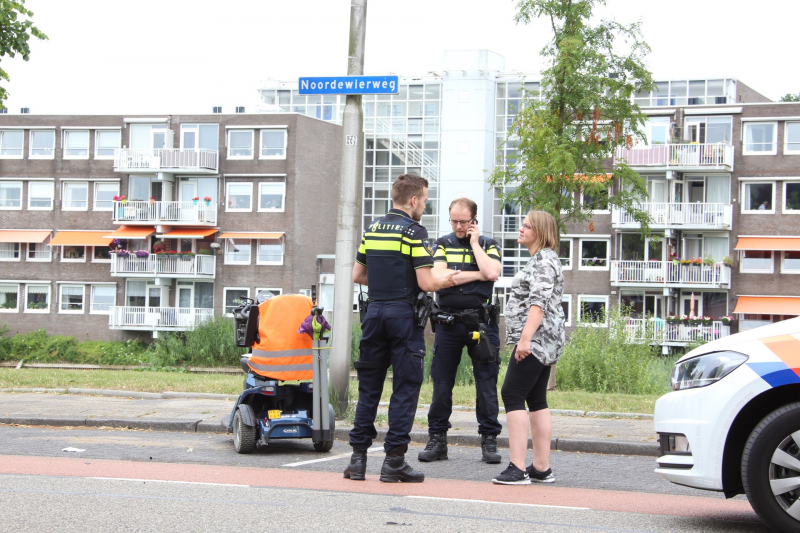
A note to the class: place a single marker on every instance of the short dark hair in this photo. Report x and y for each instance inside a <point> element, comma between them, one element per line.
<point>466,202</point>
<point>406,186</point>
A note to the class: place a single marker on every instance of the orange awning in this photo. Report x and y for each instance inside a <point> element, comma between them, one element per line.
<point>769,243</point>
<point>189,233</point>
<point>250,235</point>
<point>15,235</point>
<point>131,232</point>
<point>81,238</point>
<point>768,305</point>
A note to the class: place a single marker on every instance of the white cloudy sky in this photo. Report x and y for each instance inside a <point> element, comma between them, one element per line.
<point>147,56</point>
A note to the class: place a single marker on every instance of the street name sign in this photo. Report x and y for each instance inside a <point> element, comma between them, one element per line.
<point>350,85</point>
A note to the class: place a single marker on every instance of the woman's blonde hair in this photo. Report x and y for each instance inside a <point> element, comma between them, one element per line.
<point>544,225</point>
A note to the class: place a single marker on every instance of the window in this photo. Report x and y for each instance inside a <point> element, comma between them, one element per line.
<point>566,305</point>
<point>76,144</point>
<point>106,142</point>
<point>104,194</point>
<point>76,196</point>
<point>594,255</point>
<point>760,138</point>
<point>756,261</point>
<point>791,197</point>
<point>758,197</point>
<point>9,251</point>
<point>102,298</point>
<point>237,251</point>
<point>10,195</point>
<point>270,252</point>
<point>38,251</point>
<point>565,253</point>
<point>101,254</point>
<point>73,254</point>
<point>753,321</point>
<point>592,309</point>
<point>200,136</point>
<point>71,299</point>
<point>11,144</point>
<point>37,298</point>
<point>240,197</point>
<point>271,196</point>
<point>240,144</point>
<point>273,144</point>
<point>790,263</point>
<point>597,201</point>
<point>43,144</point>
<point>791,135</point>
<point>9,298</point>
<point>40,195</point>
<point>233,297</point>
<point>274,291</point>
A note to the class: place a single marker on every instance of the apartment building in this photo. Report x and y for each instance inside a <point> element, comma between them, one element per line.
<point>722,165</point>
<point>116,227</point>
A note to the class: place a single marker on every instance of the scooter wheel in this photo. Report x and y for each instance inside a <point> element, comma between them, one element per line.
<point>244,436</point>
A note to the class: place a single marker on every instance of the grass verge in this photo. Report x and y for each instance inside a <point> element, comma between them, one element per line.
<point>145,381</point>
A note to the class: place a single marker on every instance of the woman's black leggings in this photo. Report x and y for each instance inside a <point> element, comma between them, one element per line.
<point>526,381</point>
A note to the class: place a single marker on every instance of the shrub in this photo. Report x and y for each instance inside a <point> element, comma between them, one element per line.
<point>607,359</point>
<point>210,343</point>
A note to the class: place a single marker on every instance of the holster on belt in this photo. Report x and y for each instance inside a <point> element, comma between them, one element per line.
<point>483,351</point>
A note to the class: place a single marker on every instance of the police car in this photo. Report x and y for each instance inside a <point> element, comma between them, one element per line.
<point>732,423</point>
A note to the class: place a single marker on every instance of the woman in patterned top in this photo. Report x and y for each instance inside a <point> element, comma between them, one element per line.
<point>535,324</point>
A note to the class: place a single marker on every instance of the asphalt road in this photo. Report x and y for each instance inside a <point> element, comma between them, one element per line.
<point>191,482</point>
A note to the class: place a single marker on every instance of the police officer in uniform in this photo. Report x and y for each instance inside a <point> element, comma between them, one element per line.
<point>477,260</point>
<point>395,261</point>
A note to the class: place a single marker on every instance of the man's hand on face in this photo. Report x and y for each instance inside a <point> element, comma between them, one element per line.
<point>473,232</point>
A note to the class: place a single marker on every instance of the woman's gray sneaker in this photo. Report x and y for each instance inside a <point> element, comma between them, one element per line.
<point>512,476</point>
<point>540,477</point>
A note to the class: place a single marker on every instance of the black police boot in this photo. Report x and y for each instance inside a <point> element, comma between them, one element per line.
<point>489,449</point>
<point>435,450</point>
<point>395,469</point>
<point>357,468</point>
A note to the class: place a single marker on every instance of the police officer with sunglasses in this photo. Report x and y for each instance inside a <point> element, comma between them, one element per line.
<point>463,309</point>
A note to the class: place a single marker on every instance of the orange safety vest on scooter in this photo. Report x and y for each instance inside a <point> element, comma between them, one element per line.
<point>281,352</point>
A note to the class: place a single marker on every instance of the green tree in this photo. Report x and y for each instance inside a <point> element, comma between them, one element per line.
<point>789,97</point>
<point>16,28</point>
<point>566,133</point>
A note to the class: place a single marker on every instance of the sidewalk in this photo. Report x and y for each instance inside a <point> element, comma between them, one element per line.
<point>573,431</point>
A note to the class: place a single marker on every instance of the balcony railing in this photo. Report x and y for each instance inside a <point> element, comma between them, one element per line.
<point>144,212</point>
<point>157,318</point>
<point>701,215</point>
<point>669,274</point>
<point>717,155</point>
<point>169,266</point>
<point>661,332</point>
<point>166,159</point>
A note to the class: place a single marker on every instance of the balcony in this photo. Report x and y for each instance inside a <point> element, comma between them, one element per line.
<point>180,213</point>
<point>661,332</point>
<point>683,157</point>
<point>157,318</point>
<point>700,216</point>
<point>164,266</point>
<point>669,274</point>
<point>173,160</point>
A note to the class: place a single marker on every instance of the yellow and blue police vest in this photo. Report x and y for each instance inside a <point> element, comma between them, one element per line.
<point>459,256</point>
<point>392,248</point>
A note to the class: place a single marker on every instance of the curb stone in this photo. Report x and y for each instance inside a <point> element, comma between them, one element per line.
<point>601,414</point>
<point>154,424</point>
<point>199,395</point>
<point>119,393</point>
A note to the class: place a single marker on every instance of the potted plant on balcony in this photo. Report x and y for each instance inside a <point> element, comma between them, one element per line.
<point>205,252</point>
<point>726,320</point>
<point>195,200</point>
<point>673,319</point>
<point>152,200</point>
<point>158,246</point>
<point>706,320</point>
<point>207,200</point>
<point>709,261</point>
<point>122,253</point>
<point>727,261</point>
<point>141,253</point>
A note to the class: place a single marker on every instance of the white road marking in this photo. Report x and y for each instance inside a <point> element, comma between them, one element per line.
<point>501,503</point>
<point>332,457</point>
<point>167,481</point>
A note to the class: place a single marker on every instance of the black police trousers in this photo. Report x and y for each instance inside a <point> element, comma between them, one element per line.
<point>389,336</point>
<point>447,349</point>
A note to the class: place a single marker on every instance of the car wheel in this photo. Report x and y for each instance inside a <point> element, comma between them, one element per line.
<point>244,436</point>
<point>325,446</point>
<point>771,468</point>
